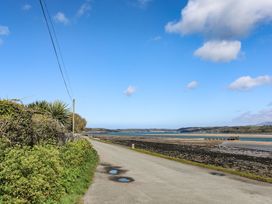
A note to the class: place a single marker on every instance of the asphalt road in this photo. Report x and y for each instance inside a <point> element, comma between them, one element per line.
<point>160,181</point>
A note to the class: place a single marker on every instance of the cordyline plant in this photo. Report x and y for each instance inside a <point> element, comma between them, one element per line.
<point>57,110</point>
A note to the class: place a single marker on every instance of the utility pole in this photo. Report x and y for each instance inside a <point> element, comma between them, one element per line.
<point>74,105</point>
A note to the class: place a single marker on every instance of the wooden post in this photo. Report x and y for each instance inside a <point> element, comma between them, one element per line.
<point>73,123</point>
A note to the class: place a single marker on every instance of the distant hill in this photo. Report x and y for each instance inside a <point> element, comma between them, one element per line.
<point>104,130</point>
<point>263,128</point>
<point>256,129</point>
<point>265,124</point>
<point>98,130</point>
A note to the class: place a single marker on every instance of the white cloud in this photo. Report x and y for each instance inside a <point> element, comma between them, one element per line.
<point>192,85</point>
<point>4,30</point>
<point>254,118</point>
<point>246,82</point>
<point>130,91</point>
<point>219,51</point>
<point>84,8</point>
<point>61,18</point>
<point>26,7</point>
<point>221,19</point>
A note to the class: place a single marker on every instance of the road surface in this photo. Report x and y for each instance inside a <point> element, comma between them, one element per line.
<point>161,181</point>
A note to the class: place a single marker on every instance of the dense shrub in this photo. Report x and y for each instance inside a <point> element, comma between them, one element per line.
<point>16,123</point>
<point>4,145</point>
<point>46,174</point>
<point>47,129</point>
<point>10,107</point>
<point>23,125</point>
<point>37,164</point>
<point>76,157</point>
<point>31,175</point>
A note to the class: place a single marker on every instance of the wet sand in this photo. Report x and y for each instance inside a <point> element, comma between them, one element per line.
<point>217,135</point>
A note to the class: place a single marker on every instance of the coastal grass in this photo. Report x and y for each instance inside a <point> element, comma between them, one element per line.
<point>82,184</point>
<point>201,165</point>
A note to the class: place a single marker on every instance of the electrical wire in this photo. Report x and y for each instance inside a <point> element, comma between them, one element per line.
<point>58,46</point>
<point>55,48</point>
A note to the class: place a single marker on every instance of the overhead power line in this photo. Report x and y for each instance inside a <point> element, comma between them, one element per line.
<point>58,46</point>
<point>55,45</point>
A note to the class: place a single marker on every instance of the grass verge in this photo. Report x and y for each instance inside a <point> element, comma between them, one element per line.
<point>82,184</point>
<point>83,181</point>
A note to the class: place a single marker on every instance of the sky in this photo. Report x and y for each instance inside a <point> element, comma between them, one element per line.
<point>143,63</point>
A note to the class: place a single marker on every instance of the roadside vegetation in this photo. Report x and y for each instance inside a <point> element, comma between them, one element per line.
<point>40,160</point>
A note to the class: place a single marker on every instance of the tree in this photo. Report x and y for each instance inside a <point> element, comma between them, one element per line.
<point>80,123</point>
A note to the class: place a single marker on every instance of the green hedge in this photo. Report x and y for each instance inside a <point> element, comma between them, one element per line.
<point>46,173</point>
<point>37,165</point>
<point>21,125</point>
<point>16,123</point>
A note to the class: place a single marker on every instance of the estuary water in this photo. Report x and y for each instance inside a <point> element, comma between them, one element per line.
<point>183,136</point>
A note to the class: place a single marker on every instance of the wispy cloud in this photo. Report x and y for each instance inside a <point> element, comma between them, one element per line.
<point>4,30</point>
<point>192,85</point>
<point>84,8</point>
<point>140,3</point>
<point>26,7</point>
<point>221,21</point>
<point>144,2</point>
<point>130,91</point>
<point>254,118</point>
<point>245,83</point>
<point>61,18</point>
<point>156,38</point>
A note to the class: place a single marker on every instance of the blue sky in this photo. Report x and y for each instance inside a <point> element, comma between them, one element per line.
<point>141,63</point>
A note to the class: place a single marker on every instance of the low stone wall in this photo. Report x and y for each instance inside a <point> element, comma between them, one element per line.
<point>257,165</point>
